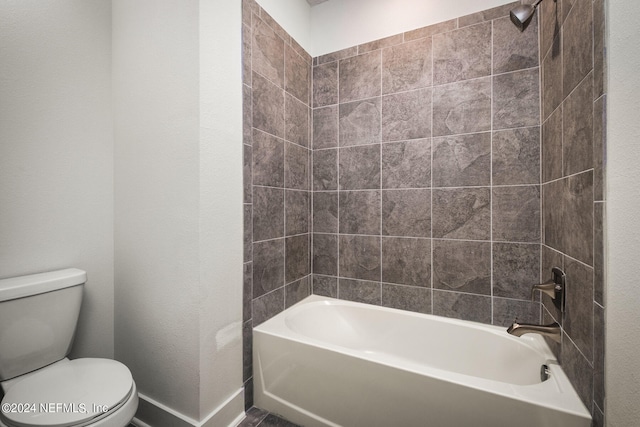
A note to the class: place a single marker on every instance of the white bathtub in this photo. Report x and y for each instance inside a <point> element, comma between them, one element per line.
<point>327,362</point>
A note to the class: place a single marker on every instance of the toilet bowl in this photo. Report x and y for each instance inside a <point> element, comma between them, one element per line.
<point>41,386</point>
<point>69,393</point>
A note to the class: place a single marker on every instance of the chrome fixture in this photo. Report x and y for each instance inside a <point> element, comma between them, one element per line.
<point>552,330</point>
<point>555,288</point>
<point>521,15</point>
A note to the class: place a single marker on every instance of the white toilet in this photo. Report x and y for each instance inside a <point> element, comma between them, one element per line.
<point>38,316</point>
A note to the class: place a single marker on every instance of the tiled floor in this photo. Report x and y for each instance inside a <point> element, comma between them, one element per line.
<point>260,418</point>
<point>257,417</point>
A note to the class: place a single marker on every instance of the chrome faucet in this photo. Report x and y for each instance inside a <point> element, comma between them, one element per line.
<point>552,330</point>
<point>555,288</point>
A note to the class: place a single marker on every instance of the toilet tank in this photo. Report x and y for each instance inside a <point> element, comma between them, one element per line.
<point>38,316</point>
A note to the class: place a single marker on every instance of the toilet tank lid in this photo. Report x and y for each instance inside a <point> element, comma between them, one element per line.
<point>33,284</point>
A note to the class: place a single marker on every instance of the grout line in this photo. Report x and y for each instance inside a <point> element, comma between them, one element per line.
<point>491,278</point>
<point>339,145</point>
<point>431,149</point>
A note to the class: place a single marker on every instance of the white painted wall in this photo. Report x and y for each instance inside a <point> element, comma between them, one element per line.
<point>339,24</point>
<point>221,209</point>
<point>156,106</point>
<point>623,204</point>
<point>294,16</point>
<point>178,204</point>
<point>56,151</point>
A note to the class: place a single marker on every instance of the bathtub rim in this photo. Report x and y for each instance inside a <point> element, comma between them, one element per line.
<point>557,385</point>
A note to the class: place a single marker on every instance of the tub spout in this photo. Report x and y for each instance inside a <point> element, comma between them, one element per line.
<point>552,330</point>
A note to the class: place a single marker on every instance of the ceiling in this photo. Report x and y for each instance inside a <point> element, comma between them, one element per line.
<point>315,2</point>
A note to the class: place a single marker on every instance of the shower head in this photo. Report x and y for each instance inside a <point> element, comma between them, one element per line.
<point>521,15</point>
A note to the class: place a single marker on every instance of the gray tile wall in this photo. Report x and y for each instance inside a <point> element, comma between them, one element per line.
<point>573,146</point>
<point>426,170</point>
<point>424,163</point>
<point>277,177</point>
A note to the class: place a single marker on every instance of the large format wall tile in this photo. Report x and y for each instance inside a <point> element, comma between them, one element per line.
<point>512,49</point>
<point>297,212</point>
<point>599,49</point>
<point>462,107</point>
<point>486,15</point>
<point>359,212</point>
<point>268,266</point>
<point>409,298</point>
<point>360,122</point>
<point>359,257</point>
<point>267,306</point>
<point>325,84</point>
<point>297,75</point>
<point>462,160</point>
<point>268,160</point>
<point>406,164</point>
<point>406,115</point>
<point>325,212</point>
<point>325,170</point>
<point>325,254</point>
<point>476,308</point>
<point>505,311</point>
<point>296,257</point>
<point>553,214</point>
<point>325,127</point>
<point>359,291</point>
<point>577,130</point>
<point>406,213</point>
<point>268,52</point>
<point>516,214</point>
<point>430,30</point>
<point>516,156</point>
<point>407,66</point>
<point>552,80</point>
<point>515,269</point>
<point>360,77</point>
<point>516,99</point>
<point>406,261</point>
<point>296,166</point>
<point>462,213</point>
<point>296,291</point>
<point>325,286</point>
<point>578,321</point>
<point>462,266</point>
<point>359,167</point>
<point>296,121</point>
<point>578,370</point>
<point>552,147</point>
<point>268,106</point>
<point>380,43</point>
<point>577,215</point>
<point>463,54</point>
<point>577,44</point>
<point>268,213</point>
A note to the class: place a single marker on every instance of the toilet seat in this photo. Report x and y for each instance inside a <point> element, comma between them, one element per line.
<point>74,393</point>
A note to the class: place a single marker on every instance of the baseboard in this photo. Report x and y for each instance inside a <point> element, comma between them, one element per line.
<point>152,413</point>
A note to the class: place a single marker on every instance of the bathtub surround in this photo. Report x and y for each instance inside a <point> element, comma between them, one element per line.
<point>404,171</point>
<point>574,97</point>
<point>463,234</point>
<point>404,379</point>
<point>277,173</point>
<point>426,170</point>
